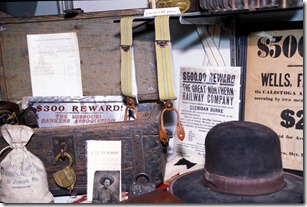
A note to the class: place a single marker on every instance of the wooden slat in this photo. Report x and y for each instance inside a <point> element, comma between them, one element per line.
<point>87,15</point>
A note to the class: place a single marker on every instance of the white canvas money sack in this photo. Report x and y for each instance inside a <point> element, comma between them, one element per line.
<point>23,177</point>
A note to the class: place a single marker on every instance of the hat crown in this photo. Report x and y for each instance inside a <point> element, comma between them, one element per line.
<point>243,151</point>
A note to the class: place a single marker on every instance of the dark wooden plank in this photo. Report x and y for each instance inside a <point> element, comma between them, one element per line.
<point>87,15</point>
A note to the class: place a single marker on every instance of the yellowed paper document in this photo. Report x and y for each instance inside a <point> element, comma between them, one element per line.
<point>274,89</point>
<point>55,64</point>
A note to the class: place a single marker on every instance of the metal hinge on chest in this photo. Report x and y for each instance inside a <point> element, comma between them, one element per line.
<point>138,151</point>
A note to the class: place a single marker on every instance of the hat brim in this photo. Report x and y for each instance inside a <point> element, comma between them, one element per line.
<point>190,188</point>
<point>102,179</point>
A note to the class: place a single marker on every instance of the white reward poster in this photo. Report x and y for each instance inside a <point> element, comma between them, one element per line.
<point>55,64</point>
<point>208,95</point>
<point>274,89</point>
<point>72,111</point>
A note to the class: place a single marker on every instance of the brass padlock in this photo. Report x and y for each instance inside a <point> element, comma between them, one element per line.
<point>65,178</point>
<point>141,185</point>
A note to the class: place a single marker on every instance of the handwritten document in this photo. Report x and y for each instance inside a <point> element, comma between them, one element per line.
<point>55,64</point>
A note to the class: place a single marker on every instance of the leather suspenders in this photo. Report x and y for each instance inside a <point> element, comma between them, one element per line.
<point>165,74</point>
<point>164,71</point>
<point>128,74</point>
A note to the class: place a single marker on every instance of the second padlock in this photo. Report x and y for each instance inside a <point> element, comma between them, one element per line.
<point>142,184</point>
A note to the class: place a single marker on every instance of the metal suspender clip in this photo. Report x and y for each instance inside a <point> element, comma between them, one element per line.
<point>162,43</point>
<point>125,48</point>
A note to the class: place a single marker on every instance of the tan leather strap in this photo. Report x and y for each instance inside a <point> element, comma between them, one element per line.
<point>168,106</point>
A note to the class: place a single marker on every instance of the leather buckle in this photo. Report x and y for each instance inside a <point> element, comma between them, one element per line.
<point>130,106</point>
<point>169,106</point>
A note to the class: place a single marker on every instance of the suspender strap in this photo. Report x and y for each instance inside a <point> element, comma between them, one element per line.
<point>128,74</point>
<point>165,75</point>
<point>164,68</point>
<point>164,58</point>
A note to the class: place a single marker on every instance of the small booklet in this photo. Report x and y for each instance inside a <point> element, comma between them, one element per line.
<point>103,171</point>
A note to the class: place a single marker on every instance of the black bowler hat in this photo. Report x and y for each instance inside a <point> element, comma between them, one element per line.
<point>242,165</point>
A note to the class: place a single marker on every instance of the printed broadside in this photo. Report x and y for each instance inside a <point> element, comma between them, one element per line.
<point>274,88</point>
<point>208,95</point>
<point>77,110</point>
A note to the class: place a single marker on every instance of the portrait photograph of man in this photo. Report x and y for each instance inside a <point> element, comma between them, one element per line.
<point>106,187</point>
